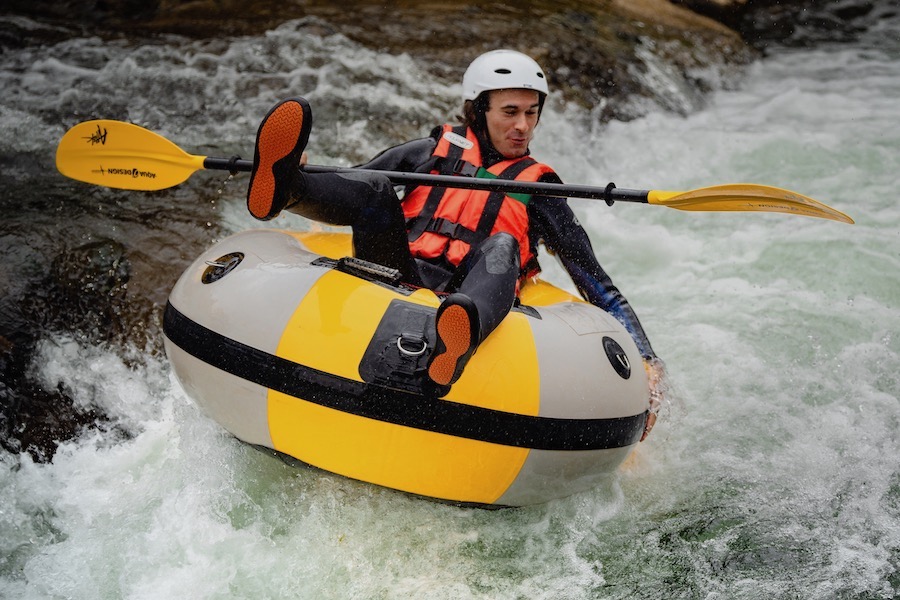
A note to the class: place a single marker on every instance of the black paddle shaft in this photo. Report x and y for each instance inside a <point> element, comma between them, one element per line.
<point>559,190</point>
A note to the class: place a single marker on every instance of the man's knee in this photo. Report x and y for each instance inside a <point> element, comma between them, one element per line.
<point>500,242</point>
<point>374,184</point>
<point>501,254</point>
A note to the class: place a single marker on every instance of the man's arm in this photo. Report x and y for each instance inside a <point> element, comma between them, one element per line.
<point>412,156</point>
<point>556,224</point>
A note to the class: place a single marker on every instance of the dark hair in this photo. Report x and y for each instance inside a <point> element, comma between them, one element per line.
<point>474,112</point>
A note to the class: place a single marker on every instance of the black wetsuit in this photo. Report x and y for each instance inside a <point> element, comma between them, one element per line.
<point>369,204</point>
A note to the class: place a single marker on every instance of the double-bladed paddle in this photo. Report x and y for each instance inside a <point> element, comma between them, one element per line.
<point>126,156</point>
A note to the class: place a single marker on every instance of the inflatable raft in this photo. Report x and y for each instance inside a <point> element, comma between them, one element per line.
<point>293,348</point>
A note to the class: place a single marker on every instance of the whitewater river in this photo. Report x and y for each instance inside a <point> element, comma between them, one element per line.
<point>773,473</point>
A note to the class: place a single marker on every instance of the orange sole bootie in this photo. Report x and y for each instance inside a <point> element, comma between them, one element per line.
<point>280,141</point>
<point>456,323</point>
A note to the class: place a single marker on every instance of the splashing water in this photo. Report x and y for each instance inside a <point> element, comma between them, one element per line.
<point>773,474</point>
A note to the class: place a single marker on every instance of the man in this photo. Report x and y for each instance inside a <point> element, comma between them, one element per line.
<point>475,245</point>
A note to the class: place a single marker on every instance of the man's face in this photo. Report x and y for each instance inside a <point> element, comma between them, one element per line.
<point>511,119</point>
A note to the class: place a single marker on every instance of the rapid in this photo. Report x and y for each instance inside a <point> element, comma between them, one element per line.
<point>773,471</point>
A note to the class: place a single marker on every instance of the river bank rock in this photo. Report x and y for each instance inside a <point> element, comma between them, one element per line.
<point>796,23</point>
<point>615,57</point>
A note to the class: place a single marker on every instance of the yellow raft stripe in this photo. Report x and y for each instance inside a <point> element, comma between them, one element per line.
<point>337,245</point>
<point>398,457</point>
<point>330,331</point>
<point>332,326</point>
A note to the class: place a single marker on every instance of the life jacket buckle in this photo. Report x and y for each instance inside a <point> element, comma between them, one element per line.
<point>464,168</point>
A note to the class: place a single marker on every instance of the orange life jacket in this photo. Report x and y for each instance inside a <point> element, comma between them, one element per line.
<point>449,221</point>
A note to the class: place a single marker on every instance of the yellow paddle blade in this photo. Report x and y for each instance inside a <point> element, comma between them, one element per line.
<point>746,197</point>
<point>125,156</point>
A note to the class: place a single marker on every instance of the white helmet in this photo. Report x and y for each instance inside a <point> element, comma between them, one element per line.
<point>500,70</point>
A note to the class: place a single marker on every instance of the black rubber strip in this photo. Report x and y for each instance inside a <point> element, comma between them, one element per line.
<point>396,406</point>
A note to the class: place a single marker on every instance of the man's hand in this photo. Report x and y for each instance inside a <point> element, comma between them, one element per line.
<point>658,382</point>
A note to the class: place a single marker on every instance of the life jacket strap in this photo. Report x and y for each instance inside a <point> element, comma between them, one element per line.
<point>495,199</point>
<point>457,167</point>
<point>420,223</point>
<point>454,231</point>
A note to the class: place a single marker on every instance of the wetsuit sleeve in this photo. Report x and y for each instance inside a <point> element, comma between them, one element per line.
<point>412,156</point>
<point>552,220</point>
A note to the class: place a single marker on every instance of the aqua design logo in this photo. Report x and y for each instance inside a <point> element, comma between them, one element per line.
<point>132,173</point>
<point>617,357</point>
<point>98,137</point>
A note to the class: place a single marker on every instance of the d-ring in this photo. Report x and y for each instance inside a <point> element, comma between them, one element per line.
<point>414,351</point>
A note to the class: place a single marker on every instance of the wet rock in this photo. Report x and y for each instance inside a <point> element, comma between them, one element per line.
<point>602,54</point>
<point>808,23</point>
<point>87,287</point>
<point>798,23</point>
<point>32,419</point>
<point>83,295</point>
<point>35,420</point>
<point>607,55</point>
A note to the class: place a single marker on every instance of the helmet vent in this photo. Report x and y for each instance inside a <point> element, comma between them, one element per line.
<point>539,74</point>
<point>502,71</point>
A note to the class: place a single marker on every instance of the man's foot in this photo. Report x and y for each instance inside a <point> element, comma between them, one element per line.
<point>280,141</point>
<point>456,323</point>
